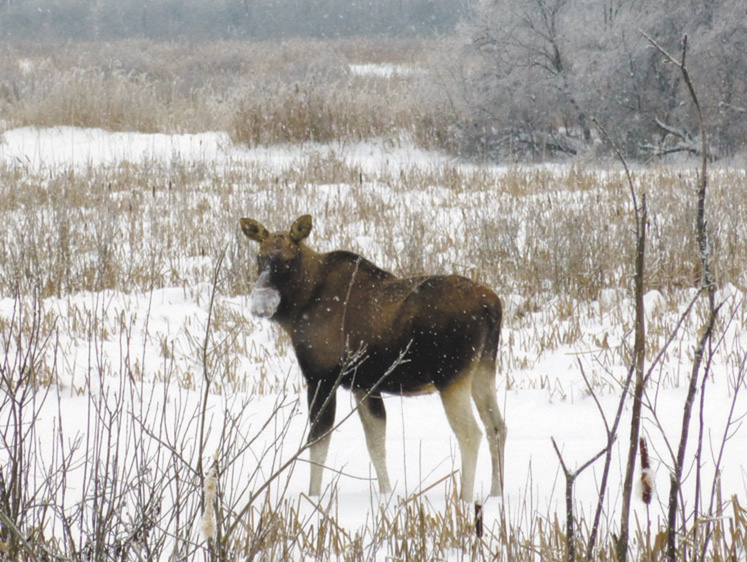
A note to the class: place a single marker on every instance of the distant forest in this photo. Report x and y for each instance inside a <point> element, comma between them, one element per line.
<point>223,19</point>
<point>510,79</point>
<point>535,74</point>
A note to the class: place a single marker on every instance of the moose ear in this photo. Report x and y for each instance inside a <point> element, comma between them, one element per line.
<point>253,230</point>
<point>301,228</point>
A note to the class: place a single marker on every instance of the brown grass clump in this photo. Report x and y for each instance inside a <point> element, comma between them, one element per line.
<point>526,230</point>
<point>262,93</point>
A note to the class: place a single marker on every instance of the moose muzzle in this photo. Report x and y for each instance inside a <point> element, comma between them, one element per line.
<point>265,298</point>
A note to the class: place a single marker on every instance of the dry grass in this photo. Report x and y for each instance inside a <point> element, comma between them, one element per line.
<point>262,93</point>
<point>526,231</point>
<point>557,242</point>
<point>413,529</point>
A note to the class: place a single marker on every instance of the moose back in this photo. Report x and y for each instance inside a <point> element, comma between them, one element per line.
<point>417,335</point>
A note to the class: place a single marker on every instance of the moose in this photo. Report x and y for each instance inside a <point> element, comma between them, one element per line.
<point>426,334</point>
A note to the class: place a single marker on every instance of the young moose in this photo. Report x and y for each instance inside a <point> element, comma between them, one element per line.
<point>332,303</point>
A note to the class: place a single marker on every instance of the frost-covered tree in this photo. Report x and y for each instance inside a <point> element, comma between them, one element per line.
<point>540,69</point>
<point>522,82</point>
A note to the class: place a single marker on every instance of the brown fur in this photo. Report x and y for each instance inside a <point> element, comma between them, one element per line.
<point>336,303</point>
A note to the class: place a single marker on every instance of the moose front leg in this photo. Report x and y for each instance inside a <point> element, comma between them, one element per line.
<point>322,405</point>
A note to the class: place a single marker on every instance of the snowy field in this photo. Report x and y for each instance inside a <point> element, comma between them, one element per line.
<point>139,389</point>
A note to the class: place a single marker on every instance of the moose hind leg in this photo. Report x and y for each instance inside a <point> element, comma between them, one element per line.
<point>322,405</point>
<point>484,395</point>
<point>457,402</point>
<point>373,417</point>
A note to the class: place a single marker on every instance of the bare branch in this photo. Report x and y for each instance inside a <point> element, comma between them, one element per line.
<point>707,284</point>
<point>280,470</point>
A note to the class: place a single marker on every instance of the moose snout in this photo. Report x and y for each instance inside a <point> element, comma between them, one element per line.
<point>265,298</point>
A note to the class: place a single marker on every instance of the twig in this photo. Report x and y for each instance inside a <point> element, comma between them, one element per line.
<point>639,353</point>
<point>717,473</point>
<point>205,367</point>
<point>570,478</point>
<point>671,337</point>
<point>203,412</point>
<point>611,438</point>
<point>282,468</point>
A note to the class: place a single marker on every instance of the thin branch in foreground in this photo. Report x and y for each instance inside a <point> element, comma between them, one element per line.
<point>611,438</point>
<point>731,420</point>
<point>639,355</point>
<point>303,448</point>
<point>707,284</point>
<point>570,478</point>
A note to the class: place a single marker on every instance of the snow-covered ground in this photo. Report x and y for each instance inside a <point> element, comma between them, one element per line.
<point>61,148</point>
<point>143,353</point>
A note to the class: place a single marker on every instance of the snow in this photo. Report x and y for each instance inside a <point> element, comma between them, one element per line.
<point>155,334</point>
<point>65,147</point>
<point>383,70</point>
<point>73,147</point>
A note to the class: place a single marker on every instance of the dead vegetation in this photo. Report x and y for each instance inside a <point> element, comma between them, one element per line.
<point>261,93</point>
<point>556,241</point>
